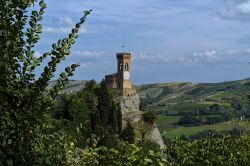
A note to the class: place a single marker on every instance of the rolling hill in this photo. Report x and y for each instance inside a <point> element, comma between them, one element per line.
<point>172,98</point>
<point>177,97</point>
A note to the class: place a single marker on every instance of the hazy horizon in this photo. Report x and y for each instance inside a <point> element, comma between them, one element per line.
<point>170,41</point>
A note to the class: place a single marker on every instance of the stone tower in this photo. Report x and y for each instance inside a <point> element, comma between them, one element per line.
<point>123,71</point>
<point>120,83</point>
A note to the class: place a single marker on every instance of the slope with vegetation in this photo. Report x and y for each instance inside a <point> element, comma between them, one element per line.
<point>172,98</point>
<point>188,108</point>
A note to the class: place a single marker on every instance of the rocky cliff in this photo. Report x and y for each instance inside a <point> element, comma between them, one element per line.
<point>130,103</point>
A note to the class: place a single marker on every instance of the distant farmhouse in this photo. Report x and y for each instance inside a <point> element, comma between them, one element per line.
<point>121,85</point>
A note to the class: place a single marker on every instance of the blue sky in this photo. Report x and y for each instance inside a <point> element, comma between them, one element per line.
<point>185,40</point>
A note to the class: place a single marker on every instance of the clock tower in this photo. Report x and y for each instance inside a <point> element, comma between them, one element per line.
<point>120,81</point>
<point>123,70</point>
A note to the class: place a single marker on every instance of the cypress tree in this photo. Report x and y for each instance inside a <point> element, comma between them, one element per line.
<point>119,118</point>
<point>114,117</point>
<point>128,133</point>
<point>104,103</point>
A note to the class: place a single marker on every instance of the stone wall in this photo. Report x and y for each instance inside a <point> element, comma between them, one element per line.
<point>130,103</point>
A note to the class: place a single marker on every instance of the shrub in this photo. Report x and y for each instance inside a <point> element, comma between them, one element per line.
<point>212,151</point>
<point>189,121</point>
<point>149,117</point>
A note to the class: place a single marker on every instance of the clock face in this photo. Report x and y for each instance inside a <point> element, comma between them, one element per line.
<point>126,75</point>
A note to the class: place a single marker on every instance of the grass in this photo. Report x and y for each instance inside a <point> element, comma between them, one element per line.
<point>176,131</point>
<point>190,106</point>
<point>154,92</point>
<point>164,120</point>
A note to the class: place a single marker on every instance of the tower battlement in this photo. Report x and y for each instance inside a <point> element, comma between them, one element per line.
<point>122,55</point>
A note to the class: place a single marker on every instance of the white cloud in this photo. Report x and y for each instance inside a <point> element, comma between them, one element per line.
<point>201,58</point>
<point>62,30</point>
<point>239,10</point>
<point>247,50</point>
<point>244,7</point>
<point>94,64</point>
<point>153,57</point>
<point>85,65</point>
<point>88,54</point>
<point>66,21</point>
<point>206,54</point>
<point>62,25</point>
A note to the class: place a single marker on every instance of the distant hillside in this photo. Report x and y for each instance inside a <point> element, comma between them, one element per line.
<point>179,96</point>
<point>72,86</point>
<point>186,96</point>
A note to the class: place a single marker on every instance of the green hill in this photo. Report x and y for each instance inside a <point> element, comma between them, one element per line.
<point>177,97</point>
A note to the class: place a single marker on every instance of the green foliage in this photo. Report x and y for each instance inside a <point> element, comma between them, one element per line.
<point>105,104</point>
<point>78,123</point>
<point>128,133</point>
<point>148,145</point>
<point>108,112</point>
<point>96,108</point>
<point>53,149</point>
<point>149,117</point>
<point>125,155</point>
<point>66,104</point>
<point>212,151</point>
<point>24,97</point>
<point>190,121</point>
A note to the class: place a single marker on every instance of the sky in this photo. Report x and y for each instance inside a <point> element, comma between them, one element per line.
<point>170,40</point>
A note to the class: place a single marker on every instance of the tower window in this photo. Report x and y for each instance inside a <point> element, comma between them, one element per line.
<point>126,66</point>
<point>120,67</point>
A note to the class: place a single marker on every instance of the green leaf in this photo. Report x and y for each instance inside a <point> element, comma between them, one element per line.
<point>34,13</point>
<point>67,69</point>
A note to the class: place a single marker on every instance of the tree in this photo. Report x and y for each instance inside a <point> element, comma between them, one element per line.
<point>24,96</point>
<point>113,120</point>
<point>189,121</point>
<point>128,133</point>
<point>104,106</point>
<point>91,100</point>
<point>145,129</point>
<point>149,117</point>
<point>67,103</point>
<point>119,119</point>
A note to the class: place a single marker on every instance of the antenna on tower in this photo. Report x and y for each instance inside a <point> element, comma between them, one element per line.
<point>123,48</point>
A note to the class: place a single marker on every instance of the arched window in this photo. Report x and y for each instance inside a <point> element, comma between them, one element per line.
<point>126,66</point>
<point>120,67</point>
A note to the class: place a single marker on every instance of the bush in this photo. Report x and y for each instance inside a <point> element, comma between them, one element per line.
<point>148,145</point>
<point>125,155</point>
<point>149,117</point>
<point>215,119</point>
<point>189,121</point>
<point>212,151</point>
